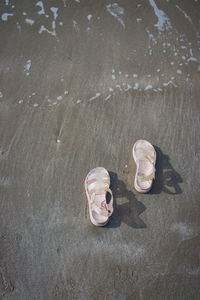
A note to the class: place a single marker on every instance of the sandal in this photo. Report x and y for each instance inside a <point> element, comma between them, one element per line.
<point>97,185</point>
<point>144,155</point>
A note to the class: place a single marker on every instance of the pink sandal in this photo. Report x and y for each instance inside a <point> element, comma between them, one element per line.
<point>144,155</point>
<point>97,185</point>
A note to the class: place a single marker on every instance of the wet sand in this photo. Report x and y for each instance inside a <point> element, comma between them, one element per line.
<point>97,76</point>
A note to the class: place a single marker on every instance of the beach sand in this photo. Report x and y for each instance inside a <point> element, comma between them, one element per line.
<point>81,81</point>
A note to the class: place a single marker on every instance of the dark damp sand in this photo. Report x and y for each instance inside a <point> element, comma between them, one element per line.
<point>150,248</point>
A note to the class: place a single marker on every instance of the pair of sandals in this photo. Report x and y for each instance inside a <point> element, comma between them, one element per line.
<point>97,182</point>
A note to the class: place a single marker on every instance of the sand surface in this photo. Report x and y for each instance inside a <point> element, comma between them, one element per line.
<point>80,82</point>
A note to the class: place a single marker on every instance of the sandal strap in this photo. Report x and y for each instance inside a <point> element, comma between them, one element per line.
<point>107,212</point>
<point>147,154</point>
<point>110,204</point>
<point>97,186</point>
<point>144,177</point>
<point>101,175</point>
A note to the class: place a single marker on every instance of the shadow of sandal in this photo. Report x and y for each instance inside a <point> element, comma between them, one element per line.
<point>167,179</point>
<point>128,212</point>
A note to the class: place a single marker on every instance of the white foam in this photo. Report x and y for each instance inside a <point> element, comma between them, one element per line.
<point>59,98</point>
<point>66,92</point>
<point>135,75</point>
<point>43,29</point>
<point>113,70</point>
<point>20,101</point>
<point>19,27</point>
<point>148,87</point>
<point>29,21</point>
<point>168,83</point>
<point>151,37</point>
<point>75,25</point>
<point>128,87</point>
<point>111,89</point>
<point>119,86</point>
<point>78,101</point>
<point>35,105</point>
<point>4,181</point>
<point>53,31</point>
<point>1,95</point>
<point>158,70</point>
<point>136,86</point>
<point>54,11</point>
<point>89,17</point>
<point>113,77</point>
<point>54,26</point>
<point>179,71</point>
<point>41,5</point>
<point>139,20</point>
<point>27,67</point>
<point>108,97</point>
<point>64,2</point>
<point>4,16</point>
<point>192,59</point>
<point>184,13</point>
<point>6,2</point>
<point>78,1</point>
<point>95,97</point>
<point>24,13</point>
<point>117,12</point>
<point>163,20</point>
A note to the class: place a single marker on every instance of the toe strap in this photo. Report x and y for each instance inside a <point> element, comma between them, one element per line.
<point>144,177</point>
<point>105,210</point>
